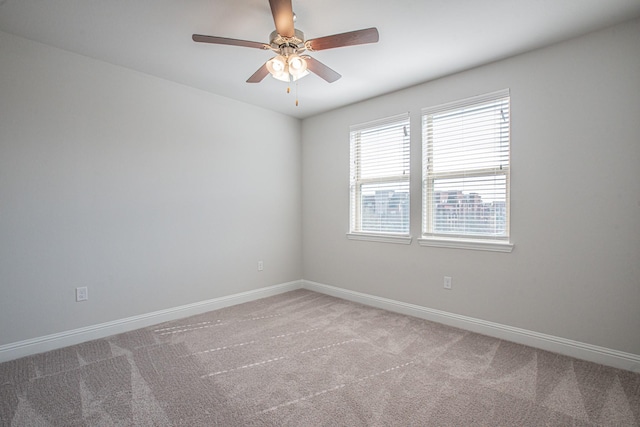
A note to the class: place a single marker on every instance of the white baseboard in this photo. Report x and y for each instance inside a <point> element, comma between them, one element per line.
<point>579,350</point>
<point>592,353</point>
<point>77,336</point>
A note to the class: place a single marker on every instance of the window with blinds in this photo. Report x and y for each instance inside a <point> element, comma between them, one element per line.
<point>379,184</point>
<point>465,168</point>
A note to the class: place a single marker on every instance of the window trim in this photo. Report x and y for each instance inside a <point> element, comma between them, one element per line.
<point>463,243</point>
<point>382,238</point>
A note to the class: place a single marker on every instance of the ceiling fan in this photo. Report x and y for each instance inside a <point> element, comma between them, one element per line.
<point>288,43</point>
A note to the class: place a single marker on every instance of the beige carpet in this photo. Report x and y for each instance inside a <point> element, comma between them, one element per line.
<point>307,359</point>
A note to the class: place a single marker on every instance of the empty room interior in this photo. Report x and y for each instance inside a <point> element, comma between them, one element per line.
<point>143,182</point>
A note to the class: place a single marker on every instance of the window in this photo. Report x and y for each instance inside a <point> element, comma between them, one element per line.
<point>465,172</point>
<point>379,184</point>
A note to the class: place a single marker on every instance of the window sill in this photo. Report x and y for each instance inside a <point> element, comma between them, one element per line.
<point>384,238</point>
<point>478,245</point>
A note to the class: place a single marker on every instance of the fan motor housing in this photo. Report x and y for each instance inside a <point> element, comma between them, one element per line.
<point>279,42</point>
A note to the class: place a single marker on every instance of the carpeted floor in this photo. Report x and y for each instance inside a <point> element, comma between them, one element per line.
<point>307,359</point>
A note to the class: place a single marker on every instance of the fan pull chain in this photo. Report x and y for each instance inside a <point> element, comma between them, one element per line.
<point>289,88</point>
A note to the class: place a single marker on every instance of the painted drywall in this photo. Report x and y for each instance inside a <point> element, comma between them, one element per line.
<point>574,272</point>
<point>151,194</point>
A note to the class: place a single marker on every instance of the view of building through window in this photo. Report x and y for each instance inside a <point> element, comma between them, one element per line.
<point>459,213</point>
<point>385,211</point>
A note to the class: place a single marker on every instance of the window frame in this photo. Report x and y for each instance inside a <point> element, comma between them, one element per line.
<point>356,181</point>
<point>461,240</point>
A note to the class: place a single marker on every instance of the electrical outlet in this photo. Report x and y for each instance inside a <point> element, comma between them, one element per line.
<point>82,294</point>
<point>260,266</point>
<point>447,282</point>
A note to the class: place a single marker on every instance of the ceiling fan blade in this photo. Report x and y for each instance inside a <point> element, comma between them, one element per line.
<point>282,12</point>
<point>368,35</point>
<point>259,75</point>
<point>321,70</point>
<point>223,40</point>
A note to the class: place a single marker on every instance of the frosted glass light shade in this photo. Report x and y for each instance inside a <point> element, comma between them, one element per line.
<point>277,65</point>
<point>297,65</point>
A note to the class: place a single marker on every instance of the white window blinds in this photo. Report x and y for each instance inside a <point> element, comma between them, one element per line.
<point>465,166</point>
<point>379,184</point>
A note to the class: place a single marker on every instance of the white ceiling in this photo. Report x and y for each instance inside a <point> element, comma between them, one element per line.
<point>420,40</point>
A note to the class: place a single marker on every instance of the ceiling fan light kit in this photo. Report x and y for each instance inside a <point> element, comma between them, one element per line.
<point>287,69</point>
<point>288,43</point>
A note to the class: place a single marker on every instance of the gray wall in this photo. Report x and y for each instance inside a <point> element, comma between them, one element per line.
<point>152,194</point>
<point>575,269</point>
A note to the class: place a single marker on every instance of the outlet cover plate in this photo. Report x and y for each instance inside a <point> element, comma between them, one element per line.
<point>82,294</point>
